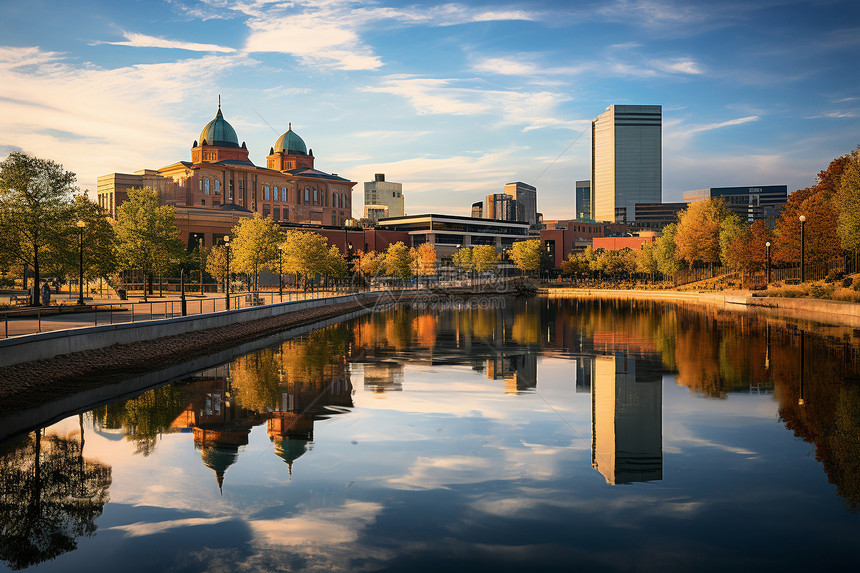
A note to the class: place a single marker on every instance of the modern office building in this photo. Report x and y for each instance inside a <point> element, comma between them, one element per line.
<point>380,192</point>
<point>583,200</point>
<point>450,232</point>
<point>502,207</point>
<point>478,210</point>
<point>626,160</point>
<point>526,197</point>
<point>626,420</point>
<point>751,203</point>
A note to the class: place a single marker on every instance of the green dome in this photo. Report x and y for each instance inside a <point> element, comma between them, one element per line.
<point>291,143</point>
<point>219,132</point>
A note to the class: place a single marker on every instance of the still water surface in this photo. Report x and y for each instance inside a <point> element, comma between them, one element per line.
<point>543,436</point>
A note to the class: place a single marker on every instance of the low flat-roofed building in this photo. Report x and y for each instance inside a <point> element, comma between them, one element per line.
<point>449,232</point>
<point>655,216</point>
<point>752,202</point>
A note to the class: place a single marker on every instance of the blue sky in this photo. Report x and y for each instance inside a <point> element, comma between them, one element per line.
<point>453,100</point>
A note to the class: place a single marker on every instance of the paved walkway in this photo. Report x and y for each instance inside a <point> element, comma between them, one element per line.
<point>112,311</point>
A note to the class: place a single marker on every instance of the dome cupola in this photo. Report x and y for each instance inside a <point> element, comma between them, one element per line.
<point>290,143</point>
<point>218,132</point>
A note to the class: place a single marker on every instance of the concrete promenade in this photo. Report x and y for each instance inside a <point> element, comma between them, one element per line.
<point>831,312</point>
<point>40,346</point>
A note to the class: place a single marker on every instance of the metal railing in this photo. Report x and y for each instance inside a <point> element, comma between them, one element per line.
<point>31,320</point>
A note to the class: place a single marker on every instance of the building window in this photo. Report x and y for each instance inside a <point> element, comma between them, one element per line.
<point>266,193</point>
<point>286,213</point>
<point>200,181</point>
<point>316,198</point>
<point>266,210</point>
<point>203,201</point>
<point>217,186</point>
<point>230,190</point>
<point>206,187</point>
<point>277,214</point>
<point>276,194</point>
<point>307,195</point>
<point>241,185</point>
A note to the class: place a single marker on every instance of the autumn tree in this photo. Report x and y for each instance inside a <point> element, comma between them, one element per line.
<point>462,259</point>
<point>398,263</point>
<point>307,254</point>
<point>735,235</point>
<point>371,263</point>
<point>35,196</point>
<point>255,246</point>
<point>526,255</point>
<point>485,258</point>
<point>147,234</point>
<point>697,238</point>
<point>423,259</point>
<point>848,202</point>
<point>646,259</point>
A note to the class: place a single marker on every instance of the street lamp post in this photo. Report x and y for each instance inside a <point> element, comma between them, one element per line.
<point>767,267</point>
<point>182,289</point>
<point>81,225</point>
<point>281,271</point>
<point>802,248</point>
<point>227,286</point>
<point>200,253</point>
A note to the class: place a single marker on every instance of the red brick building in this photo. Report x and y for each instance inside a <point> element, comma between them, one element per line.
<point>221,184</point>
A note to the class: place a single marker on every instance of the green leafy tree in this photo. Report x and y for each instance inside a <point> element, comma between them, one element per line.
<point>335,263</point>
<point>306,254</point>
<point>398,262</point>
<point>371,263</point>
<point>147,234</point>
<point>526,255</point>
<point>255,246</point>
<point>35,195</point>
<point>667,259</point>
<point>646,259</point>
<point>216,263</point>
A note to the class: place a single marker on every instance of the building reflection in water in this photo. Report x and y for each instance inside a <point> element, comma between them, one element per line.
<point>381,377</point>
<point>518,370</point>
<point>626,420</point>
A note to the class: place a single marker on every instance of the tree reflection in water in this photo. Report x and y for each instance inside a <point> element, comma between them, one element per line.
<point>50,495</point>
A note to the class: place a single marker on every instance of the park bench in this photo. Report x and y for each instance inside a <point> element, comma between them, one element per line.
<point>21,299</point>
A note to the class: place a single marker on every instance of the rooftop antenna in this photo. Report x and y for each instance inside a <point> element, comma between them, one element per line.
<point>219,101</point>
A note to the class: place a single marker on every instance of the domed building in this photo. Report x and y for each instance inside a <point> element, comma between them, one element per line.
<point>221,184</point>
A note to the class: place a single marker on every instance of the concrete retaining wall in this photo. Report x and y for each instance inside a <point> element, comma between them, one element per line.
<point>824,311</point>
<point>49,344</point>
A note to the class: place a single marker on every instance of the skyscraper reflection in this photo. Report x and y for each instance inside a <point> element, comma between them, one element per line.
<point>626,420</point>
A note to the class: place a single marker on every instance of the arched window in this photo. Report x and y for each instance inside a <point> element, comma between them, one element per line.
<point>217,186</point>
<point>316,197</point>
<point>276,197</point>
<point>200,181</point>
<point>206,187</point>
<point>265,193</point>
<point>334,200</point>
<point>307,195</point>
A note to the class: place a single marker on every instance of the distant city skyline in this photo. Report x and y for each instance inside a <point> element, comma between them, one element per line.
<point>452,100</point>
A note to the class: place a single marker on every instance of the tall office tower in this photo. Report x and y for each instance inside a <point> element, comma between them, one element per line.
<point>526,197</point>
<point>502,207</point>
<point>583,199</point>
<point>626,160</point>
<point>478,209</point>
<point>379,193</point>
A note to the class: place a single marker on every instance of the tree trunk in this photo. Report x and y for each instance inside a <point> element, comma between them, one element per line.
<point>34,296</point>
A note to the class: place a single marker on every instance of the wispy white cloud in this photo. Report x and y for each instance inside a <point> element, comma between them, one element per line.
<point>533,110</point>
<point>329,33</point>
<point>136,40</point>
<point>679,130</point>
<point>608,65</point>
<point>131,113</point>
